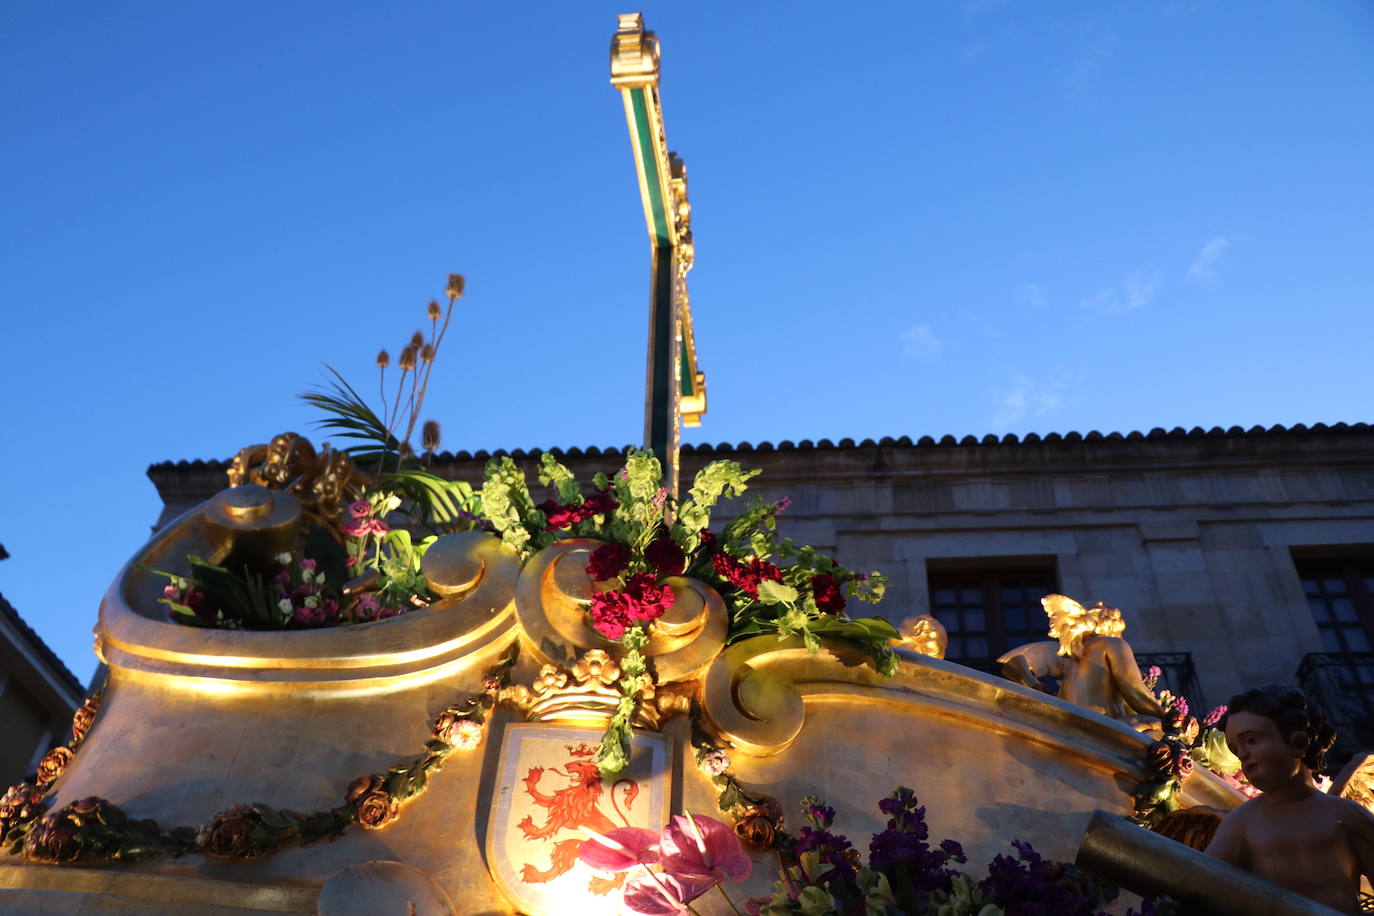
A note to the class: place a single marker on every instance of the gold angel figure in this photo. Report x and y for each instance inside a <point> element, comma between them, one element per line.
<point>1095,665</point>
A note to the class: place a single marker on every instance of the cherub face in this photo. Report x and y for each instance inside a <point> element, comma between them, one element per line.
<point>1268,761</point>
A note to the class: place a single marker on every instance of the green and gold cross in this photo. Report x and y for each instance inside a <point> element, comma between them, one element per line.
<point>675,390</point>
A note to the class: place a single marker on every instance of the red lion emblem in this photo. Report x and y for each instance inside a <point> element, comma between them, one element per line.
<point>570,808</point>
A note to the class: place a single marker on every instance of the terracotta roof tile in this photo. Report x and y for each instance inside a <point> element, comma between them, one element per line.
<point>946,441</point>
<point>60,669</point>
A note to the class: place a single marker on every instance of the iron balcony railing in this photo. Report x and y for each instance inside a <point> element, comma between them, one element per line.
<point>1177,675</point>
<point>1343,683</point>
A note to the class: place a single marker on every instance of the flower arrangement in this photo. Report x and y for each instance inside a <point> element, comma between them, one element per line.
<point>651,537</point>
<point>1186,743</point>
<point>822,874</point>
<point>358,562</point>
<point>668,870</point>
<point>361,560</point>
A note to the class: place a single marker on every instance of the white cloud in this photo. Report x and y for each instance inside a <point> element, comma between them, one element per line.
<point>1023,396</point>
<point>1136,291</point>
<point>919,343</point>
<point>1033,294</point>
<point>1208,257</point>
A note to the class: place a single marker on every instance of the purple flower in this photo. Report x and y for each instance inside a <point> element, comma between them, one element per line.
<point>820,815</point>
<point>1215,715</point>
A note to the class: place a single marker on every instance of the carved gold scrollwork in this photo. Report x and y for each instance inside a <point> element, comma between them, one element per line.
<point>757,709</point>
<point>550,602</point>
<point>471,570</point>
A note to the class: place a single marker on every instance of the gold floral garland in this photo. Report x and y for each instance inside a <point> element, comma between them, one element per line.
<point>93,829</point>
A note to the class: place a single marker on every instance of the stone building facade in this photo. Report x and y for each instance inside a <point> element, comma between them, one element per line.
<point>1238,556</point>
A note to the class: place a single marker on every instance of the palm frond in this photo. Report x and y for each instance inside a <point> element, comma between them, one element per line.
<point>443,500</point>
<point>347,416</point>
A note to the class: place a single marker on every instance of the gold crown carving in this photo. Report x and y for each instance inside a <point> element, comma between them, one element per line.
<point>586,693</point>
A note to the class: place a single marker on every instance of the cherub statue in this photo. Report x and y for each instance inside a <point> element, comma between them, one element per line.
<point>923,634</point>
<point>1293,834</point>
<point>1095,666</point>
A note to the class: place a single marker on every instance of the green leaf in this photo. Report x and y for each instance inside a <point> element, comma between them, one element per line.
<point>507,505</point>
<point>440,501</point>
<point>717,479</point>
<point>347,416</point>
<point>771,592</point>
<point>552,472</point>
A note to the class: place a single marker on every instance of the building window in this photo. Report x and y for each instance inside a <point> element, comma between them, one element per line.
<point>990,610</point>
<point>1340,594</point>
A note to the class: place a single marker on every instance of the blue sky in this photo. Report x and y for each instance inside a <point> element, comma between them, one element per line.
<point>910,219</point>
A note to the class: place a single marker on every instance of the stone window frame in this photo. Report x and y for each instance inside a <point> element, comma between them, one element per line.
<point>1340,597</point>
<point>981,589</point>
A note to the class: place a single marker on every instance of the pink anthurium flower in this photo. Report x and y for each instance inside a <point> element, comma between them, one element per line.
<point>620,849</point>
<point>664,894</point>
<point>698,846</point>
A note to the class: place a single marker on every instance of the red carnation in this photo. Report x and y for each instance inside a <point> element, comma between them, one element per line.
<point>559,516</point>
<point>642,599</point>
<point>599,503</point>
<point>745,576</point>
<point>829,598</point>
<point>607,562</point>
<point>664,555</point>
<point>650,599</point>
<point>708,541</point>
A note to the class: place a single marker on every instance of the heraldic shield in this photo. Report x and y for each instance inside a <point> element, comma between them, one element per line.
<point>549,794</point>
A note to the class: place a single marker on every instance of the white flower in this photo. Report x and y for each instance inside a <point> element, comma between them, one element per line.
<point>284,558</point>
<point>467,735</point>
<point>312,601</point>
<point>285,605</point>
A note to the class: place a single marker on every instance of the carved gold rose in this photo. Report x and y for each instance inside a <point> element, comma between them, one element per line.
<point>84,718</point>
<point>759,825</point>
<point>371,802</point>
<point>20,804</point>
<point>231,833</point>
<point>55,838</point>
<point>52,764</point>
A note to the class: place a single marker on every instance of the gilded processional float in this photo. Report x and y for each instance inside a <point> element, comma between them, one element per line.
<point>346,685</point>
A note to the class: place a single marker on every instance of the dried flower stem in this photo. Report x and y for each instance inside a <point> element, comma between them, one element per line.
<point>435,340</point>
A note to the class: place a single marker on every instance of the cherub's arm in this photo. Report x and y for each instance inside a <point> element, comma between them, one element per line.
<point>1126,673</point>
<point>1228,844</point>
<point>1016,667</point>
<point>1027,664</point>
